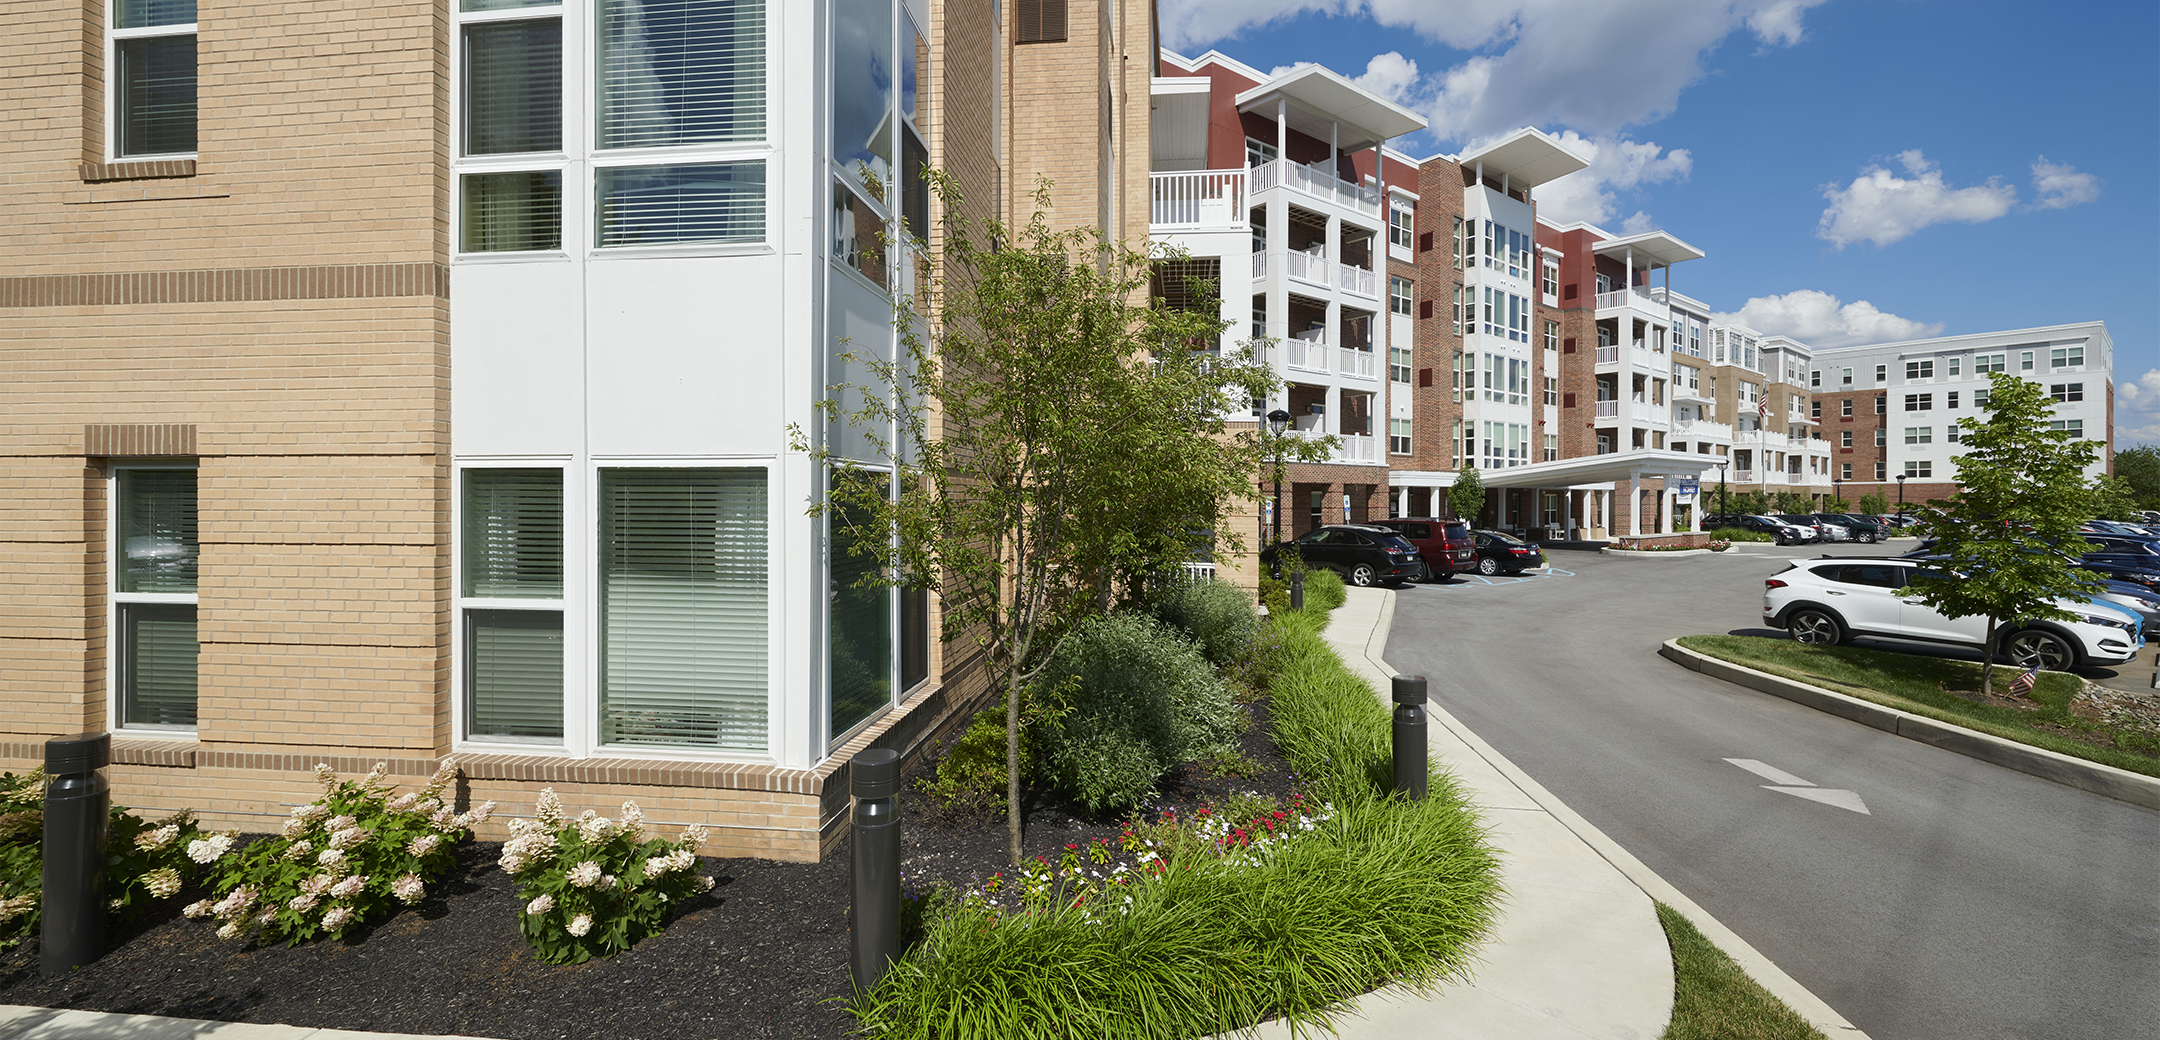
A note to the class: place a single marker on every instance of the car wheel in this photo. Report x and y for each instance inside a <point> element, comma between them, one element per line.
<point>1488,565</point>
<point>2038,647</point>
<point>1362,575</point>
<point>1780,539</point>
<point>1815,628</point>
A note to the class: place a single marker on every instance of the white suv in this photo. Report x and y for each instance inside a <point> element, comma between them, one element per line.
<point>1830,601</point>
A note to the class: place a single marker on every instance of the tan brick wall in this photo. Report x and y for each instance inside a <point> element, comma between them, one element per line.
<point>1079,115</point>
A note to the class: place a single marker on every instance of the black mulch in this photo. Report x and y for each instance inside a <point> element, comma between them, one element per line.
<point>763,955</point>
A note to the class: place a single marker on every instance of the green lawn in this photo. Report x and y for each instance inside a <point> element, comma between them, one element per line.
<point>1714,1000</point>
<point>1917,684</point>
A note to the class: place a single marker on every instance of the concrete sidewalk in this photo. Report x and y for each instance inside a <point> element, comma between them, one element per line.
<point>1578,951</point>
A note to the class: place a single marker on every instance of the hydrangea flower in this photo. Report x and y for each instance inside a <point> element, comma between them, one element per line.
<point>409,889</point>
<point>208,850</point>
<point>541,904</point>
<point>163,882</point>
<point>335,918</point>
<point>423,844</point>
<point>584,875</point>
<point>580,925</point>
<point>349,887</point>
<point>198,909</point>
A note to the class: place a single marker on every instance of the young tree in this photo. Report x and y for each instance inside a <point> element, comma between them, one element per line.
<point>1467,497</point>
<point>1792,502</point>
<point>2010,534</point>
<point>2140,468</point>
<point>2113,498</point>
<point>1874,503</point>
<point>1052,440</point>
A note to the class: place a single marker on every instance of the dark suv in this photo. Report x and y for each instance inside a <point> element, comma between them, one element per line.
<point>1445,545</point>
<point>1864,528</point>
<point>1362,554</point>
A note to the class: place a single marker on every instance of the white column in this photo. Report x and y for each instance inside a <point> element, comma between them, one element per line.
<point>1634,523</point>
<point>1282,130</point>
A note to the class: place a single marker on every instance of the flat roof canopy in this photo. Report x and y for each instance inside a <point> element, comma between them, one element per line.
<point>1601,469</point>
<point>1319,97</point>
<point>1657,247</point>
<point>1528,157</point>
<point>1180,124</point>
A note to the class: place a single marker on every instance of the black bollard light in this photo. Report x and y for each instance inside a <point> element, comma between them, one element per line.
<point>77,804</point>
<point>875,777</point>
<point>1410,751</point>
<point>1297,590</point>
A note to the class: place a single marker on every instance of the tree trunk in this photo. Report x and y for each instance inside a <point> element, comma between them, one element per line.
<point>1987,660</point>
<point>1012,760</point>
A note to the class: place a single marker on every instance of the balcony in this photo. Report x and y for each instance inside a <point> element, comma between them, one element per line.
<point>1683,392</point>
<point>1361,364</point>
<point>1608,410</point>
<point>1306,267</point>
<point>1357,280</point>
<point>1702,430</point>
<point>1639,354</point>
<point>1197,200</point>
<point>1307,351</point>
<point>1641,411</point>
<point>1743,476</point>
<point>1317,182</point>
<point>1354,448</point>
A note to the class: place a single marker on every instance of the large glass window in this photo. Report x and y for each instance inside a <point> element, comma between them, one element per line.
<point>511,79</point>
<point>511,584</point>
<point>679,72</point>
<point>154,555</point>
<point>153,90</point>
<point>666,205</point>
<point>861,624</point>
<point>863,81</point>
<point>683,618</point>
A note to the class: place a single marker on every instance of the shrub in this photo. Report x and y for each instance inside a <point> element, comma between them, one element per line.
<point>339,860</point>
<point>1138,698</point>
<point>593,886</point>
<point>971,775</point>
<point>1739,534</point>
<point>145,862</point>
<point>1216,614</point>
<point>1323,590</point>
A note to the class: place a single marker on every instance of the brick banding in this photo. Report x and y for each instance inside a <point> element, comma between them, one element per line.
<point>340,282</point>
<point>139,440</point>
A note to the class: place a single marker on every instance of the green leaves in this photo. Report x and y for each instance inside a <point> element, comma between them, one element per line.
<point>593,886</point>
<point>145,861</point>
<point>1467,497</point>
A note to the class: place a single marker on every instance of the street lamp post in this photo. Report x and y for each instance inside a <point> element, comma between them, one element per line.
<point>1721,488</point>
<point>1837,489</point>
<point>1278,420</point>
<point>1901,493</point>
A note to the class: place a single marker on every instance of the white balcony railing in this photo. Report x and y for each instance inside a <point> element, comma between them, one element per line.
<point>1309,267</point>
<point>1608,409</point>
<point>1357,280</point>
<point>1197,199</point>
<point>1259,266</point>
<point>1629,298</point>
<point>1307,351</point>
<point>1743,476</point>
<point>1608,355</point>
<point>1317,181</point>
<point>1358,448</point>
<point>1702,430</point>
<point>1359,363</point>
<point>1648,413</point>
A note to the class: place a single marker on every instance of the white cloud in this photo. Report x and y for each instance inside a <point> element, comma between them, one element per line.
<point>2061,186</point>
<point>2137,409</point>
<point>1817,319</point>
<point>1534,56</point>
<point>1637,224</point>
<point>1391,76</point>
<point>1881,207</point>
<point>1616,165</point>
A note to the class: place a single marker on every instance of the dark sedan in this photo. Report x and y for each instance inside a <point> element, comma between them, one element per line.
<point>1499,553</point>
<point>1362,554</point>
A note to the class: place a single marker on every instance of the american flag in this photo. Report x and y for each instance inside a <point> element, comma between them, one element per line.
<point>1762,408</point>
<point>2024,683</point>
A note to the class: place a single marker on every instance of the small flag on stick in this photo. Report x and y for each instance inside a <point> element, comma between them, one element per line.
<point>2024,683</point>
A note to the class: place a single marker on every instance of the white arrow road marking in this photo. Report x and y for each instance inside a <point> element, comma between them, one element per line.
<point>1786,783</point>
<point>1770,773</point>
<point>1843,799</point>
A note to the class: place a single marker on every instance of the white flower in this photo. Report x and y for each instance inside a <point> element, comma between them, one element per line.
<point>266,917</point>
<point>229,930</point>
<point>382,769</point>
<point>330,857</point>
<point>339,822</point>
<point>16,907</point>
<point>520,827</point>
<point>207,850</point>
<point>409,889</point>
<point>402,802</point>
<point>349,887</point>
<point>584,875</point>
<point>115,904</point>
<point>198,909</point>
<point>302,903</point>
<point>632,821</point>
<point>595,829</point>
<point>704,883</point>
<point>511,863</point>
<point>293,828</point>
<point>694,835</point>
<point>423,844</point>
<point>236,902</point>
<point>298,850</point>
<point>324,775</point>
<point>607,882</point>
<point>317,884</point>
<point>579,925</point>
<point>549,808</point>
<point>347,838</point>
<point>157,838</point>
<point>335,918</point>
<point>162,882</point>
<point>658,866</point>
<point>444,817</point>
<point>479,815</point>
<point>444,774</point>
<point>541,904</point>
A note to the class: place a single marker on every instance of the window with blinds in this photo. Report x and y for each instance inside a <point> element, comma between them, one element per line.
<point>1038,21</point>
<point>153,62</point>
<point>513,86</point>
<point>683,618</point>
<point>680,72</point>
<point>666,205</point>
<point>513,551</point>
<point>154,563</point>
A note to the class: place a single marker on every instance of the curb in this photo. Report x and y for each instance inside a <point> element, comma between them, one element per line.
<point>1641,554</point>
<point>2119,784</point>
<point>1763,970</point>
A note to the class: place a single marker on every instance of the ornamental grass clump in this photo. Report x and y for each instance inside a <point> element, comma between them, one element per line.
<point>1136,698</point>
<point>340,860</point>
<point>145,861</point>
<point>592,886</point>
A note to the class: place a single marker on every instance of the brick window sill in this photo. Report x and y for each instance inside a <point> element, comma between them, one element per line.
<point>99,173</point>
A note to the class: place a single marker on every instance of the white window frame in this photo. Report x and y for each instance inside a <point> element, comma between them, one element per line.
<point>578,560</point>
<point>114,598</point>
<point>575,205</point>
<point>113,36</point>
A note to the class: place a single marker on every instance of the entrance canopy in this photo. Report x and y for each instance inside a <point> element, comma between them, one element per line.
<point>1601,469</point>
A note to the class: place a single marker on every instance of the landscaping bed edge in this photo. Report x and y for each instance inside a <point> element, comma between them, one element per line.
<point>2070,771</point>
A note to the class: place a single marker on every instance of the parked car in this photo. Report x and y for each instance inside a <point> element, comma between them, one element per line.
<point>1445,545</point>
<point>1364,555</point>
<point>1780,532</point>
<point>1809,522</point>
<point>1833,528</point>
<point>1864,528</point>
<point>2136,598</point>
<point>2123,545</point>
<point>1834,600</point>
<point>1499,553</point>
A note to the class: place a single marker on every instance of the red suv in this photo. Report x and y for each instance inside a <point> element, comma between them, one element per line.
<point>1445,545</point>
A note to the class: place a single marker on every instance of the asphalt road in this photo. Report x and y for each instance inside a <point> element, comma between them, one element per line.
<point>1967,901</point>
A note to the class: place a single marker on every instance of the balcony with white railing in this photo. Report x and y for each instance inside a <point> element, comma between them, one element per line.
<point>1608,354</point>
<point>1197,200</point>
<point>1702,430</point>
<point>1608,411</point>
<point>1306,267</point>
<point>1358,448</point>
<point>1316,182</point>
<point>1307,351</point>
<point>1638,299</point>
<point>1743,476</point>
<point>1259,266</point>
<point>1646,412</point>
<point>1683,392</point>
<point>1357,280</point>
<point>1362,364</point>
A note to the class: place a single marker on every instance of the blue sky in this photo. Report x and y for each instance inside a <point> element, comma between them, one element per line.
<point>1858,171</point>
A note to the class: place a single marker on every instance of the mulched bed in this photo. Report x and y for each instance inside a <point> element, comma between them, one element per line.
<point>763,955</point>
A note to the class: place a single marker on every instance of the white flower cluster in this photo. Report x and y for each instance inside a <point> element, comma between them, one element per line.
<point>594,828</point>
<point>529,843</point>
<point>661,866</point>
<point>548,809</point>
<point>579,925</point>
<point>17,906</point>
<point>336,917</point>
<point>330,857</point>
<point>349,886</point>
<point>163,882</point>
<point>157,837</point>
<point>409,889</point>
<point>423,844</point>
<point>584,875</point>
<point>208,850</point>
<point>541,904</point>
<point>347,838</point>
